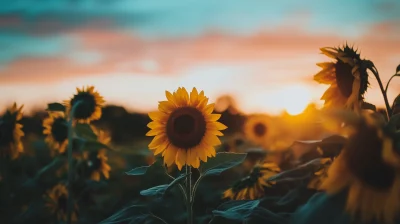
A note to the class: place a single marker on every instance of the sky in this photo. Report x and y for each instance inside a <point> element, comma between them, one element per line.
<point>263,53</point>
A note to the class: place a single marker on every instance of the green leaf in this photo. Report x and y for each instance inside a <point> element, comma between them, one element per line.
<point>85,131</point>
<point>368,106</point>
<point>138,171</point>
<point>236,210</point>
<point>132,214</point>
<point>93,145</point>
<point>155,191</point>
<point>221,162</point>
<point>55,107</point>
<point>178,180</point>
<point>299,173</point>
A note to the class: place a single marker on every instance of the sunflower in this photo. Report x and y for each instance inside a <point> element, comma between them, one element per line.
<point>362,168</point>
<point>56,201</point>
<point>90,105</point>
<point>56,131</point>
<point>185,129</point>
<point>252,186</point>
<point>257,127</point>
<point>347,77</point>
<point>320,175</point>
<point>96,162</point>
<point>11,132</point>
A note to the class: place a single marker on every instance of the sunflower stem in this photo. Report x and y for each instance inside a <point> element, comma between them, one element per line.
<point>387,84</point>
<point>189,195</point>
<point>70,162</point>
<point>376,74</point>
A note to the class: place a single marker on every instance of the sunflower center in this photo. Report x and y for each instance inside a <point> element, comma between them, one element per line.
<point>344,78</point>
<point>260,129</point>
<point>62,203</point>
<point>186,127</point>
<point>6,133</point>
<point>363,153</point>
<point>59,129</point>
<point>87,106</point>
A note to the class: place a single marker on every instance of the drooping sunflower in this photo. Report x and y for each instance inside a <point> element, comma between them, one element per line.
<point>11,132</point>
<point>56,201</point>
<point>347,77</point>
<point>56,131</point>
<point>320,175</point>
<point>252,186</point>
<point>362,169</point>
<point>90,104</point>
<point>96,162</point>
<point>185,129</point>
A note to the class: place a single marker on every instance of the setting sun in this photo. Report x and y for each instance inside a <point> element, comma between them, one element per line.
<point>296,99</point>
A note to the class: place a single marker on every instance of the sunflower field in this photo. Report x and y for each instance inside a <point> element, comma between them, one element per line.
<point>85,161</point>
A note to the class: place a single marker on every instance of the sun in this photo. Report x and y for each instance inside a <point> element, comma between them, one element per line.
<point>295,98</point>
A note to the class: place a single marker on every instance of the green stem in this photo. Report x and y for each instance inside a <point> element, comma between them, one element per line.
<point>376,74</point>
<point>179,185</point>
<point>189,195</point>
<point>195,186</point>
<point>70,201</point>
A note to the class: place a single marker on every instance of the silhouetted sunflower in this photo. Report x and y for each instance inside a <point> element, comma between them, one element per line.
<point>256,128</point>
<point>56,131</point>
<point>90,105</point>
<point>11,132</point>
<point>347,77</point>
<point>361,168</point>
<point>96,162</point>
<point>252,186</point>
<point>185,129</point>
<point>57,203</point>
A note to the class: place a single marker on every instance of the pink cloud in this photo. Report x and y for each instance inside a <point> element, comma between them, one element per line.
<point>286,49</point>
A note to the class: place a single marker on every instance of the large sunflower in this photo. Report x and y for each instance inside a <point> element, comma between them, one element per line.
<point>56,131</point>
<point>347,77</point>
<point>252,186</point>
<point>56,201</point>
<point>90,105</point>
<point>362,168</point>
<point>185,129</point>
<point>11,132</point>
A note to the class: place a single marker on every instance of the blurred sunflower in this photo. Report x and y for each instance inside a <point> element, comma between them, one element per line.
<point>256,128</point>
<point>90,105</point>
<point>252,186</point>
<point>56,131</point>
<point>364,170</point>
<point>57,203</point>
<point>320,175</point>
<point>11,132</point>
<point>347,77</point>
<point>96,162</point>
<point>185,129</point>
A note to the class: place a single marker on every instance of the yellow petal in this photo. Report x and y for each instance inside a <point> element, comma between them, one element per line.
<point>209,108</point>
<point>213,117</point>
<point>166,106</point>
<point>157,140</point>
<point>158,116</point>
<point>154,125</point>
<point>180,159</point>
<point>161,149</point>
<point>170,97</point>
<point>194,97</point>
<point>216,126</point>
<point>211,140</point>
<point>155,132</point>
<point>170,154</point>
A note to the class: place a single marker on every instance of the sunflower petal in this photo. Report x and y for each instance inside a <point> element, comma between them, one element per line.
<point>170,154</point>
<point>166,106</point>
<point>181,158</point>
<point>157,140</point>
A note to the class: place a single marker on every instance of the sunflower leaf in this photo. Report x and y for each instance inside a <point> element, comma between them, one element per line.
<point>135,213</point>
<point>138,171</point>
<point>55,107</point>
<point>236,210</point>
<point>178,180</point>
<point>155,191</point>
<point>221,162</point>
<point>93,145</point>
<point>299,173</point>
<point>85,131</point>
<point>368,106</point>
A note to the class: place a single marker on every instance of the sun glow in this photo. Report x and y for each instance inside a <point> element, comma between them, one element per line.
<point>296,98</point>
